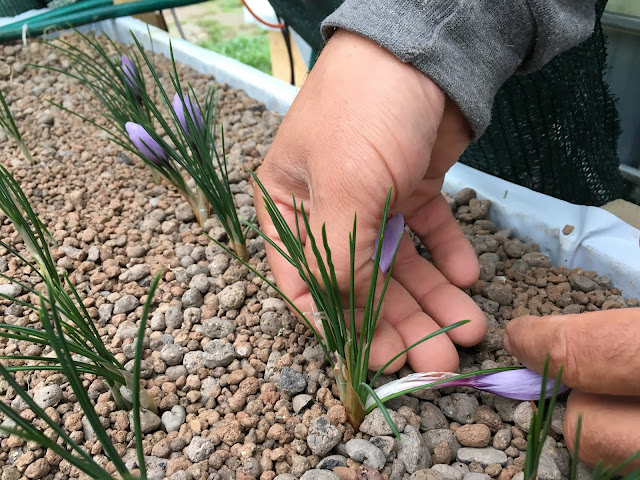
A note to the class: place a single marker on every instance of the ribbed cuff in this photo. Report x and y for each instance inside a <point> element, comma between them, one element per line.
<point>468,48</point>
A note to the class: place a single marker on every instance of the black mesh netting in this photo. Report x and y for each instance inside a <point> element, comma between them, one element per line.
<point>556,130</point>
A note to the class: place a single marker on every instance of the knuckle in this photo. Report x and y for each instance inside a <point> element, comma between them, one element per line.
<point>565,352</point>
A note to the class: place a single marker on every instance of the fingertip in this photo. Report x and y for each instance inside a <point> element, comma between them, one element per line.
<point>526,339</point>
<point>512,334</point>
<point>506,342</point>
<point>452,253</point>
<point>458,263</point>
<point>396,365</point>
<point>440,305</point>
<point>472,333</point>
<point>439,356</point>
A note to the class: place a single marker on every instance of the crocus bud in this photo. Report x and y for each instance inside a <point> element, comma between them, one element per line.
<point>394,227</point>
<point>131,75</point>
<point>145,143</point>
<point>192,109</point>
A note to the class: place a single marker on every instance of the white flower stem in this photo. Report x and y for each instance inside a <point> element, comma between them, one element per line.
<point>25,152</point>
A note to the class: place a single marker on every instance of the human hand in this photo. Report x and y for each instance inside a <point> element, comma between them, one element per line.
<point>363,122</point>
<point>600,355</point>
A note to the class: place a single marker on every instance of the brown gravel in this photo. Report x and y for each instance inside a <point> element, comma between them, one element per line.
<point>220,346</point>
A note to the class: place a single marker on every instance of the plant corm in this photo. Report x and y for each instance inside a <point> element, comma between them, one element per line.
<point>54,326</point>
<point>176,138</point>
<point>8,124</point>
<point>90,355</point>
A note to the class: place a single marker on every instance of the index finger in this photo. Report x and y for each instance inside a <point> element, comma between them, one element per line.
<point>599,351</point>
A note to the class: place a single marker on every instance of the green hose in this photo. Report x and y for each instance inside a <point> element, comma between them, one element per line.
<point>57,13</point>
<point>82,13</point>
<point>62,14</point>
<point>9,8</point>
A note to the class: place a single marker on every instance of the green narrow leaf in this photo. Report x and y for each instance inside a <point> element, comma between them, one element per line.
<point>443,381</point>
<point>383,409</point>
<point>135,390</point>
<point>52,325</point>
<point>540,423</point>
<point>576,448</point>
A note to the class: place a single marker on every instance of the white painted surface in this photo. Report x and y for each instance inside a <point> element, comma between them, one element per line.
<point>600,241</point>
<point>276,94</point>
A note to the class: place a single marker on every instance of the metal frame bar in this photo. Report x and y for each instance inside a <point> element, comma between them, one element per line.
<point>624,22</point>
<point>631,174</point>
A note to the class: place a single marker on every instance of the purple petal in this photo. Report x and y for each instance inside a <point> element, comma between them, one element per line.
<point>392,233</point>
<point>521,384</point>
<point>145,143</point>
<point>192,109</point>
<point>131,76</point>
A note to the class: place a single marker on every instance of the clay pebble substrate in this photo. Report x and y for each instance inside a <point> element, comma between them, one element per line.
<point>242,388</point>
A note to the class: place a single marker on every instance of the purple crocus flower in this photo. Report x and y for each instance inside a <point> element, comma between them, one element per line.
<point>145,143</point>
<point>192,110</point>
<point>392,234</point>
<point>131,75</point>
<point>519,384</point>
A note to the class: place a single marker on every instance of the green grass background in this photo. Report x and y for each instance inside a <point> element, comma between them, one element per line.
<point>246,43</point>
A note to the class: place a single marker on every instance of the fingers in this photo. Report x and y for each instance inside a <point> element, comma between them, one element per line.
<point>452,253</point>
<point>437,297</point>
<point>288,280</point>
<point>405,317</point>
<point>600,351</point>
<point>386,343</point>
<point>610,428</point>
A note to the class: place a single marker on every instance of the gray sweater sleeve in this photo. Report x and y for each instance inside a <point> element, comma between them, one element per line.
<point>469,47</point>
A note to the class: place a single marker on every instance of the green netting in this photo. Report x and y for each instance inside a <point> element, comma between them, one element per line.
<point>554,131</point>
<point>10,8</point>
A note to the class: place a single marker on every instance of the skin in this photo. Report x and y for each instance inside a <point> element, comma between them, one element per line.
<point>600,364</point>
<point>364,122</point>
<point>339,150</point>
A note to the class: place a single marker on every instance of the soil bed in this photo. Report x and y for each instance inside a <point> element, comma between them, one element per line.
<point>242,390</point>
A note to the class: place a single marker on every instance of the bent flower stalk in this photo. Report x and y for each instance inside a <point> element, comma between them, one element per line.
<point>519,384</point>
<point>516,383</point>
